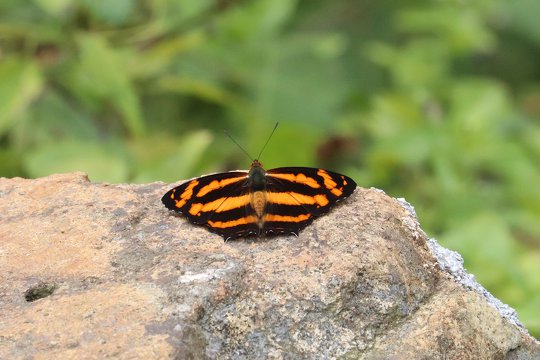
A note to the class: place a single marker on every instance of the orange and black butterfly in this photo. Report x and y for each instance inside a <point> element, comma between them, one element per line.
<point>258,202</point>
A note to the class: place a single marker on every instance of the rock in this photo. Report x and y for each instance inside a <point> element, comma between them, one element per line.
<point>97,270</point>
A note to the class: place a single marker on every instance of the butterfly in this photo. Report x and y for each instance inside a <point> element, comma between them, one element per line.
<point>259,202</point>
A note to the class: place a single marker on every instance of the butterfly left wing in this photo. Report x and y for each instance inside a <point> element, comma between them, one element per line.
<point>296,195</point>
<point>219,201</point>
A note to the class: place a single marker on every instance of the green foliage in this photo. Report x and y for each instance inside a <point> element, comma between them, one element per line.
<point>433,101</point>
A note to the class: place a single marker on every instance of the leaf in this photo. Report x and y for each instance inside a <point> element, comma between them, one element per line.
<point>188,8</point>
<point>489,250</point>
<point>115,12</point>
<point>52,117</point>
<point>101,74</point>
<point>256,19</point>
<point>54,7</point>
<point>10,163</point>
<point>159,58</point>
<point>101,161</point>
<point>529,314</point>
<point>461,27</point>
<point>523,16</point>
<point>479,106</point>
<point>418,66</point>
<point>169,159</point>
<point>20,83</point>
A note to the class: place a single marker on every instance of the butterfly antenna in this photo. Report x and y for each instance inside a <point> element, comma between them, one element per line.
<point>266,143</point>
<point>240,146</point>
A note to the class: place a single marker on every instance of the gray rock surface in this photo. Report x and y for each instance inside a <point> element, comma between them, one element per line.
<point>96,270</point>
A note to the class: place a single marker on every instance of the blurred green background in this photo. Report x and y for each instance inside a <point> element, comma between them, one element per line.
<point>434,101</point>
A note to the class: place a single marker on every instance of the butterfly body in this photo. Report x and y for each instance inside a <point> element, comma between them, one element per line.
<point>258,202</point>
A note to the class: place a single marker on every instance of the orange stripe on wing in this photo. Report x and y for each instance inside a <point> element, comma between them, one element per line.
<point>232,223</point>
<point>218,184</point>
<point>286,218</point>
<point>185,195</point>
<point>294,198</point>
<point>330,183</point>
<point>220,205</point>
<point>300,178</point>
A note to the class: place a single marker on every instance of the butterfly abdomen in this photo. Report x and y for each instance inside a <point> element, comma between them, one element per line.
<point>258,202</point>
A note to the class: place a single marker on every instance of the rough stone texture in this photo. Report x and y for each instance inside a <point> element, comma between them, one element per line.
<point>111,273</point>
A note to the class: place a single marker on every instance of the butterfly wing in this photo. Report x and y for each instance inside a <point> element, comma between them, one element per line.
<point>219,201</point>
<point>296,195</point>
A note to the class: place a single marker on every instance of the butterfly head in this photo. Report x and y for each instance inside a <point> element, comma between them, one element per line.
<point>257,176</point>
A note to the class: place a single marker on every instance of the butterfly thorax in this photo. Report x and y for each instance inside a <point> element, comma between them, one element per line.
<point>257,177</point>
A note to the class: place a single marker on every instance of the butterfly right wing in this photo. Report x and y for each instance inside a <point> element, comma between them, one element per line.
<point>219,201</point>
<point>296,195</point>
